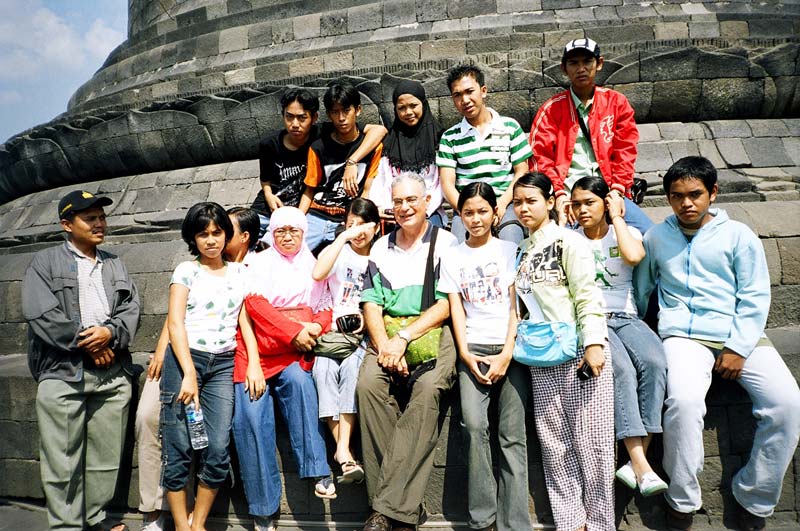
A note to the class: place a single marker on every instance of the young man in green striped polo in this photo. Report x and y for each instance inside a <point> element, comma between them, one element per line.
<point>483,146</point>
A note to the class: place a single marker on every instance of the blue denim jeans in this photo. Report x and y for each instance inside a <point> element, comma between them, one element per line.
<point>505,501</point>
<point>215,382</point>
<point>254,435</point>
<point>320,229</point>
<point>510,227</point>
<point>776,408</point>
<point>640,376</point>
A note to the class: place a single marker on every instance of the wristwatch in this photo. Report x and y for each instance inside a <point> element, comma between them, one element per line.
<point>350,162</point>
<point>405,335</point>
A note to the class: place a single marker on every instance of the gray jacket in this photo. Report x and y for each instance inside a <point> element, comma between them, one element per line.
<point>50,305</point>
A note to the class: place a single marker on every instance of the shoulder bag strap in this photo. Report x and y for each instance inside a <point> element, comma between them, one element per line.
<point>429,286</point>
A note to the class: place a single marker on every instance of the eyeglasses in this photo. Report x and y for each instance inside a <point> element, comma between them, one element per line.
<point>412,201</point>
<point>294,232</point>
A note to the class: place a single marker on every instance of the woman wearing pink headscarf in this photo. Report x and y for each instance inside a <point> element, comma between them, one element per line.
<point>288,311</point>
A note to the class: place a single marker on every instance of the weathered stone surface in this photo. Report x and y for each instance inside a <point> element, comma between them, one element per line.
<point>764,152</point>
<point>671,30</point>
<point>680,64</point>
<point>652,157</point>
<point>442,49</point>
<point>789,249</point>
<point>730,98</point>
<point>333,24</point>
<point>306,26</point>
<point>675,99</point>
<point>363,18</point>
<point>732,151</point>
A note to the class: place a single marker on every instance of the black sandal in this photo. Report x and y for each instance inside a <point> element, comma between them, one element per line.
<point>109,525</point>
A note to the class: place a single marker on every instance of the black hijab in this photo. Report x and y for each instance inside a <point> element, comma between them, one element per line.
<point>412,148</point>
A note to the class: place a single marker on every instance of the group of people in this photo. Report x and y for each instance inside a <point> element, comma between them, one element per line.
<point>364,310</point>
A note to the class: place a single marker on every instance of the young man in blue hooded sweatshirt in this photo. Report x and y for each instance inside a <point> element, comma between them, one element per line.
<point>714,295</point>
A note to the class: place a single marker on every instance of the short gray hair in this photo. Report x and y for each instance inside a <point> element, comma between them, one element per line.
<point>410,176</point>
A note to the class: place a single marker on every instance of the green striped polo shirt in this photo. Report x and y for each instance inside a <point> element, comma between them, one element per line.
<point>489,158</point>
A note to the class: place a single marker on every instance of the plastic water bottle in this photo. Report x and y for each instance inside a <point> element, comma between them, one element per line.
<point>197,428</point>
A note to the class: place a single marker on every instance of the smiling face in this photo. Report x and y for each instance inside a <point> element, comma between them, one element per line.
<point>589,209</point>
<point>298,122</point>
<point>362,241</point>
<point>531,208</point>
<point>409,202</point>
<point>478,216</point>
<point>690,201</point>
<point>581,67</point>
<point>210,241</point>
<point>468,97</point>
<point>409,109</point>
<point>87,228</point>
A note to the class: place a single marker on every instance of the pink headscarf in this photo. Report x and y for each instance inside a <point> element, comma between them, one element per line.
<point>283,280</point>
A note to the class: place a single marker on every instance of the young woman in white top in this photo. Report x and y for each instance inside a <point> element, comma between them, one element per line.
<point>640,366</point>
<point>344,263</point>
<point>205,306</point>
<point>478,277</point>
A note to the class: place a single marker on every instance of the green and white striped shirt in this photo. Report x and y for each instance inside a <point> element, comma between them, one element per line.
<point>489,158</point>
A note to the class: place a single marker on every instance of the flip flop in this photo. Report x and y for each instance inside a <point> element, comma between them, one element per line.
<point>325,488</point>
<point>353,474</point>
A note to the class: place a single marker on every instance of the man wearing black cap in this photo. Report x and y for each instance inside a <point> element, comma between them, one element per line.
<point>586,130</point>
<point>82,310</point>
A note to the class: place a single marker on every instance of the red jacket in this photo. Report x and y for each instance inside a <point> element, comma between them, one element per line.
<point>274,331</point>
<point>611,126</point>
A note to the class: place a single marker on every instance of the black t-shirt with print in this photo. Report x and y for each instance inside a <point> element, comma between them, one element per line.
<point>282,168</point>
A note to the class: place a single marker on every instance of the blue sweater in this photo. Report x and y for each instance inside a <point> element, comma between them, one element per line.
<point>714,287</point>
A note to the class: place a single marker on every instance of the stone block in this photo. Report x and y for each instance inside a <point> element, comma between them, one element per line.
<point>230,193</point>
<point>517,6</point>
<point>13,338</point>
<point>648,133</point>
<point>670,31</point>
<point>765,152</point>
<point>282,33</point>
<point>12,300</point>
<point>488,45</point>
<point>785,306</point>
<point>671,65</point>
<point>369,56</point>
<point>560,38</point>
<point>711,65</point>
<point>703,30</point>
<point>364,18</point>
<point>779,61</point>
<point>240,76</point>
<point>233,39</point>
<point>792,147</point>
<point>731,98</point>
<point>653,157</point>
<point>640,96</point>
<point>578,14</point>
<point>470,8</point>
<point>430,10</point>
<point>21,468</point>
<point>441,49</point>
<point>729,128</point>
<point>769,128</point>
<point>259,34</point>
<point>446,29</point>
<point>20,439</point>
<point>771,27</point>
<point>675,100</point>
<point>399,12</point>
<point>306,26</point>
<point>773,260</point>
<point>789,249</point>
<point>734,29</point>
<point>306,66</point>
<point>525,41</point>
<point>708,149</point>
<point>339,61</point>
<point>682,148</point>
<point>626,33</point>
<point>333,23</point>
<point>592,3</point>
<point>733,153</point>
<point>402,52</point>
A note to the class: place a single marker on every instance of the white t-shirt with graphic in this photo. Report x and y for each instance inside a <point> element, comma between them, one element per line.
<point>346,280</point>
<point>212,309</point>
<point>613,276</point>
<point>482,277</point>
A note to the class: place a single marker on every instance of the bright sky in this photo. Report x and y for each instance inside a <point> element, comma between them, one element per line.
<point>49,48</point>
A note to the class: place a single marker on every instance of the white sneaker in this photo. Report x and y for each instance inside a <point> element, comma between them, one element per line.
<point>264,523</point>
<point>626,475</point>
<point>651,484</point>
<point>155,525</point>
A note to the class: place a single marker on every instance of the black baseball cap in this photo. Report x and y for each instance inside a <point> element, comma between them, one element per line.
<point>79,200</point>
<point>581,44</point>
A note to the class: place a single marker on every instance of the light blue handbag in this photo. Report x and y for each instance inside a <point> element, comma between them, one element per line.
<point>542,343</point>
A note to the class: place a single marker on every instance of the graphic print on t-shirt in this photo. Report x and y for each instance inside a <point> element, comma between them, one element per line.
<point>600,267</point>
<point>545,266</point>
<point>290,185</point>
<point>481,285</point>
<point>352,285</point>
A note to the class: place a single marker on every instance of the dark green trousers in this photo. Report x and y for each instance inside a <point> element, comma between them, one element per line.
<point>398,445</point>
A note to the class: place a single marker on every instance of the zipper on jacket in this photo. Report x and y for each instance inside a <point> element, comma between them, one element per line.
<point>691,292</point>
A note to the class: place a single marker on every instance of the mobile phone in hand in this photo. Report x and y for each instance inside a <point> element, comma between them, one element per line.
<point>585,372</point>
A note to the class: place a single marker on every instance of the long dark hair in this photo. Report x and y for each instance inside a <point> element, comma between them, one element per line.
<point>597,186</point>
<point>543,183</point>
<point>248,222</point>
<point>482,190</point>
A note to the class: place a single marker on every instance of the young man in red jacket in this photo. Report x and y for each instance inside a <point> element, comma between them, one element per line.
<point>586,130</point>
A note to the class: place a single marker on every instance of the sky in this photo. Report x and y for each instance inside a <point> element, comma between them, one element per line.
<point>49,48</point>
